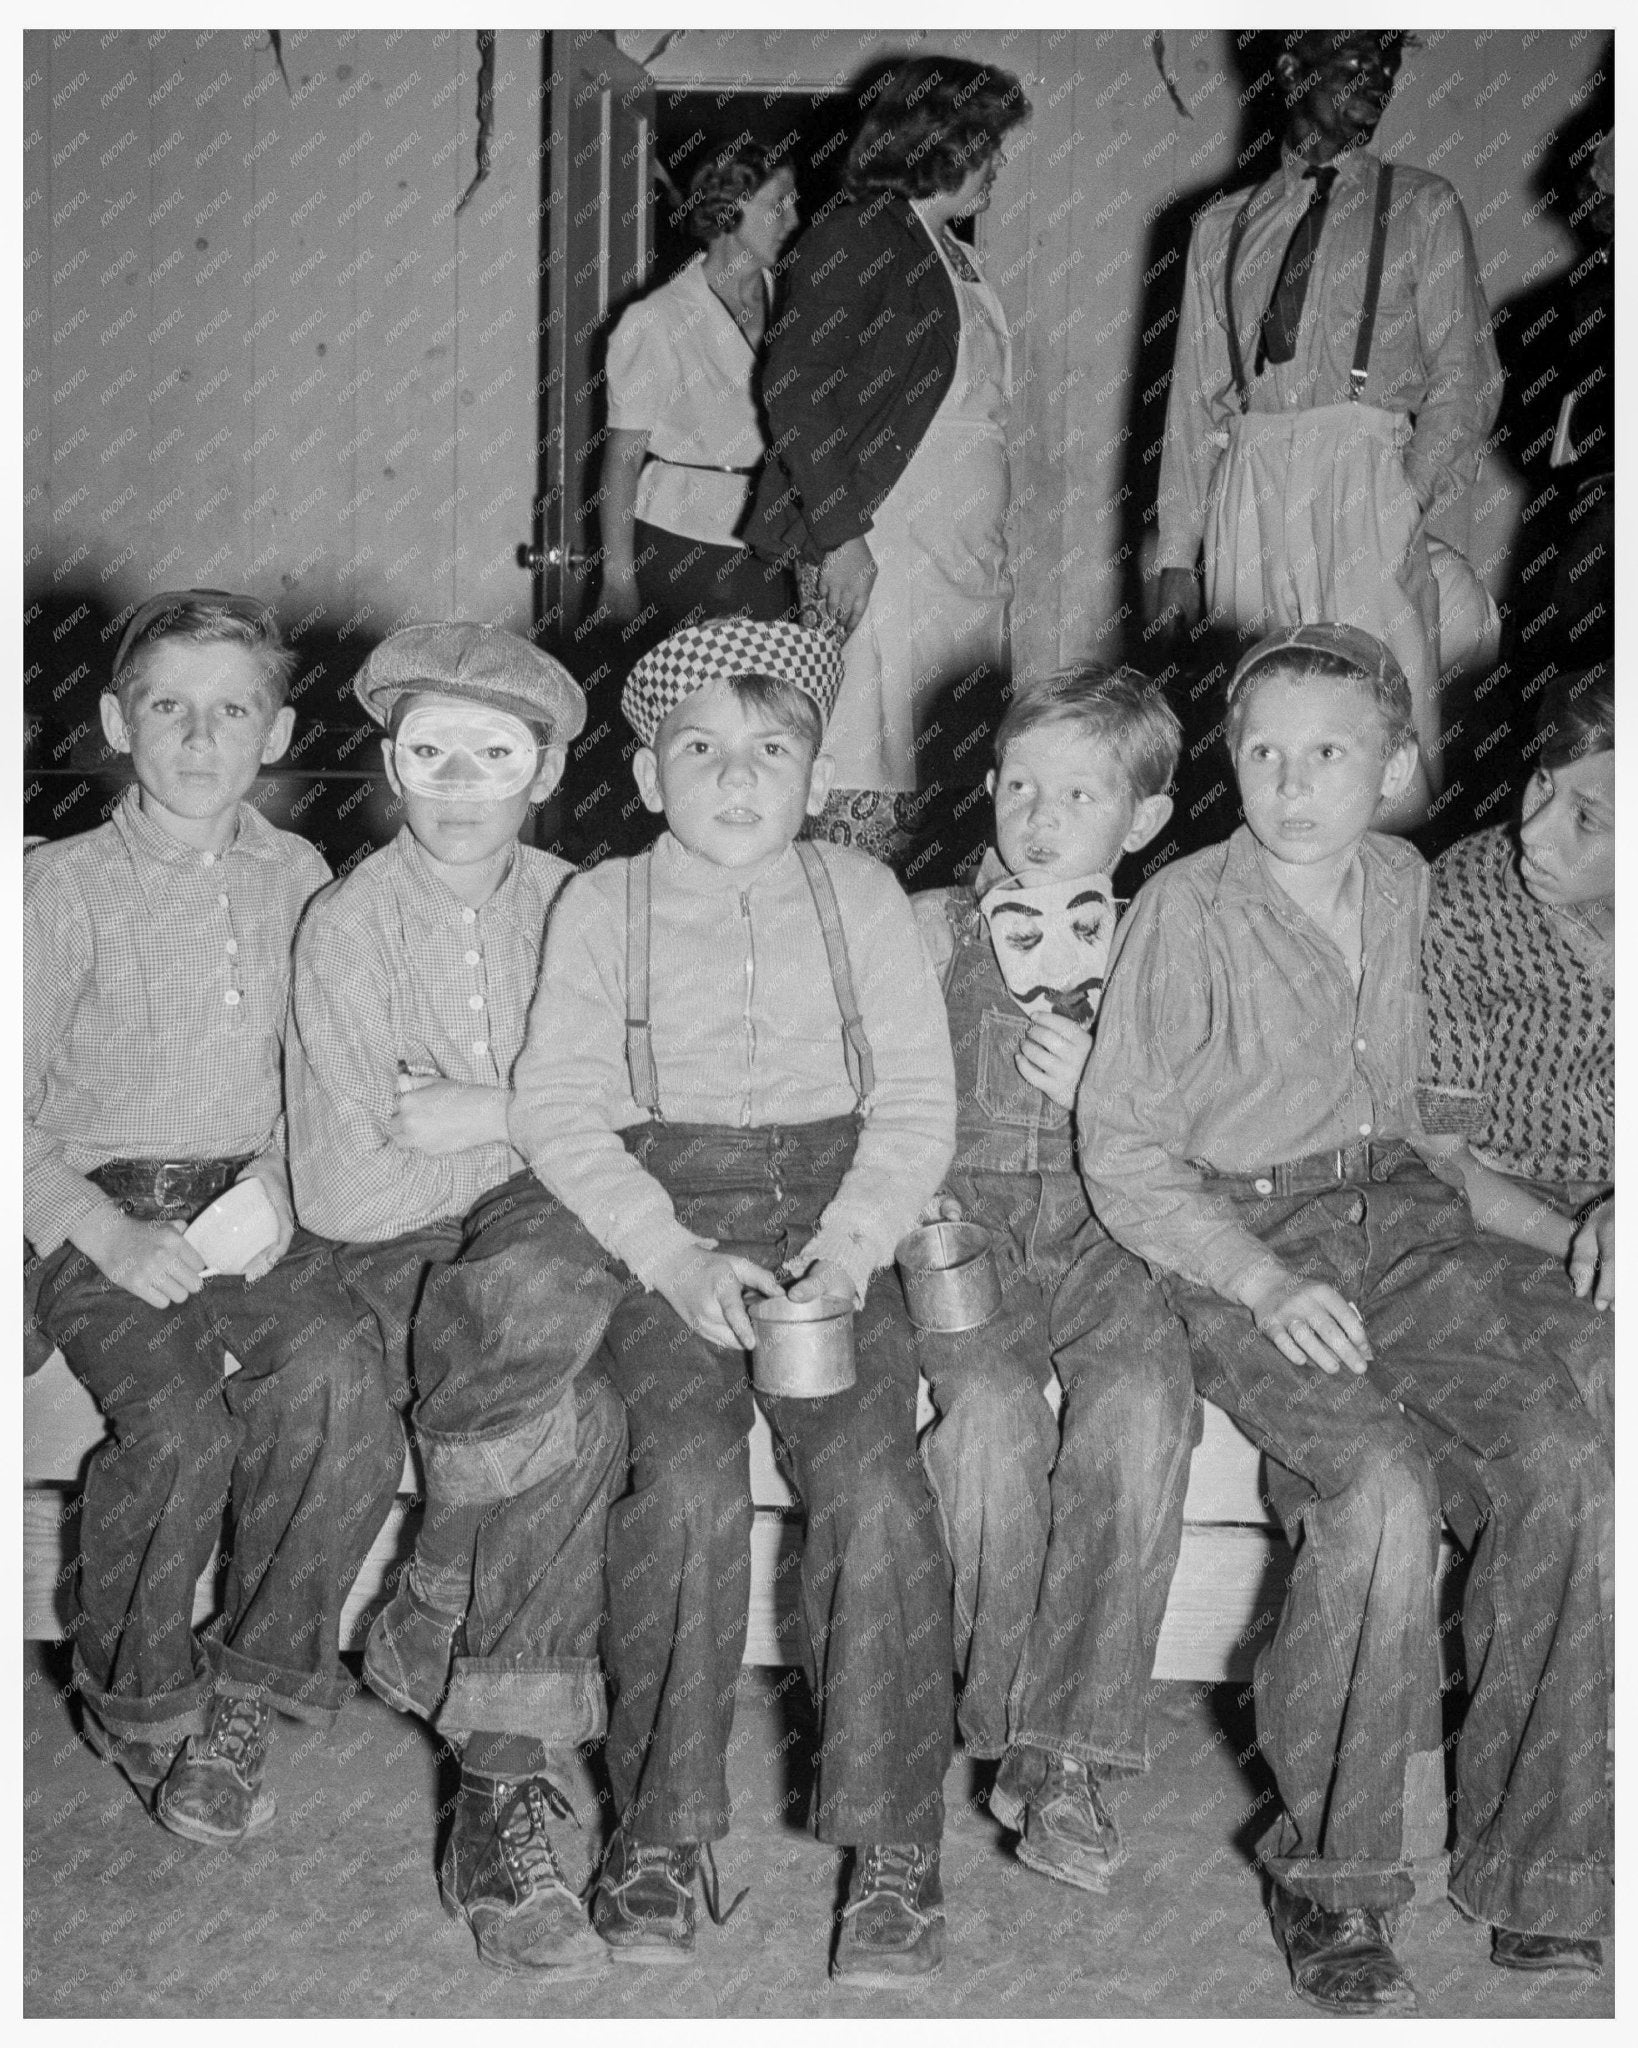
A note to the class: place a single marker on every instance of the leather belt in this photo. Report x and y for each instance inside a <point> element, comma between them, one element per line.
<point>1371,1159</point>
<point>167,1190</point>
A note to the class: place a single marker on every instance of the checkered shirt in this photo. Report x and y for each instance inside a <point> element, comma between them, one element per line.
<point>156,980</point>
<point>394,975</point>
<point>722,649</point>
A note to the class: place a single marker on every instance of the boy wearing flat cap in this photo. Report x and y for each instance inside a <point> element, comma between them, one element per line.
<point>157,952</point>
<point>738,1075</point>
<point>412,982</point>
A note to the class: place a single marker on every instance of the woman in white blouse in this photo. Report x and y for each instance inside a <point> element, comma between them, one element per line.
<point>685,438</point>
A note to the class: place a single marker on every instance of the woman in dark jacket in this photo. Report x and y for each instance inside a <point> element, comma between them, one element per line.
<point>885,385</point>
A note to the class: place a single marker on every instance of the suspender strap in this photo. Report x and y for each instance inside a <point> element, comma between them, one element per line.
<point>645,1081</point>
<point>1237,361</point>
<point>1373,281</point>
<point>861,1067</point>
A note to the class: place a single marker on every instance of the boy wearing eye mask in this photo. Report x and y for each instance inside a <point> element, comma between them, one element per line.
<point>1063,1532</point>
<point>412,983</point>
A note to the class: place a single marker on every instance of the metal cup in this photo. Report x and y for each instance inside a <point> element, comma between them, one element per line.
<point>950,1277</point>
<point>803,1348</point>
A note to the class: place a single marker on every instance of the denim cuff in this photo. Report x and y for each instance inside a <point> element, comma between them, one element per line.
<point>559,1700</point>
<point>467,1471</point>
<point>168,1718</point>
<point>1336,1883</point>
<point>315,1696</point>
<point>1541,1895</point>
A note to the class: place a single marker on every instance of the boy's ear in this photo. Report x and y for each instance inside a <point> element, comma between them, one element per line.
<point>989,783</point>
<point>552,761</point>
<point>115,730</point>
<point>646,770</point>
<point>279,734</point>
<point>1398,769</point>
<point>390,765</point>
<point>1150,815</point>
<point>819,781</point>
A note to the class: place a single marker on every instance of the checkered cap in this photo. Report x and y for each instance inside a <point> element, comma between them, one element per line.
<point>722,650</point>
<point>486,664</point>
<point>1352,644</point>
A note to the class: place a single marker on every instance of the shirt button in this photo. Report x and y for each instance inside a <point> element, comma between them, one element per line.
<point>472,958</point>
<point>231,998</point>
<point>474,1002</point>
<point>209,860</point>
<point>1359,1045</point>
<point>222,899</point>
<point>1364,1130</point>
<point>233,945</point>
<point>469,915</point>
<point>480,1046</point>
<point>1263,1184</point>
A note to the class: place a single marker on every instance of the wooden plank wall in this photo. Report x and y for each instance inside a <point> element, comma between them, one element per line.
<point>261,348</point>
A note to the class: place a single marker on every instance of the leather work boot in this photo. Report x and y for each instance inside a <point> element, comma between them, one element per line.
<point>500,1875</point>
<point>213,1792</point>
<point>893,1923</point>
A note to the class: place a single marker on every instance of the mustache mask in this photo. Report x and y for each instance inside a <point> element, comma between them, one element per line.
<point>1051,942</point>
<point>464,753</point>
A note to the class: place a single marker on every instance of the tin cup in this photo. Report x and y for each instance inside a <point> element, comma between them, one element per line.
<point>949,1275</point>
<point>803,1348</point>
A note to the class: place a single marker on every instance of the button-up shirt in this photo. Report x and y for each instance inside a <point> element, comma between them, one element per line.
<point>1231,1036</point>
<point>746,1033</point>
<point>394,975</point>
<point>1432,354</point>
<point>156,980</point>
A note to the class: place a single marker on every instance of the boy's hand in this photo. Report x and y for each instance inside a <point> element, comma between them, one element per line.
<point>1592,1257</point>
<point>705,1287</point>
<point>1310,1322</point>
<point>150,1260</point>
<point>279,1195</point>
<point>824,1276</point>
<point>941,1209</point>
<point>438,1116</point>
<point>1053,1057</point>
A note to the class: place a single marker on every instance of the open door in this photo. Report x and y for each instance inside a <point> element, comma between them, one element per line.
<point>599,246</point>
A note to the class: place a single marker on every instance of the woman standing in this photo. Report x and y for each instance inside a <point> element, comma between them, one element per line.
<point>886,390</point>
<point>685,439</point>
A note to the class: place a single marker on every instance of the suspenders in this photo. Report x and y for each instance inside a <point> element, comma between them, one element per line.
<point>645,1081</point>
<point>1360,373</point>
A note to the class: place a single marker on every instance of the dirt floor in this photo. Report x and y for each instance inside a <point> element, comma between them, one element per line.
<point>334,1910</point>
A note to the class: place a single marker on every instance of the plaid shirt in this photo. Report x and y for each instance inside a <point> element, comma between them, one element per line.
<point>156,980</point>
<point>394,975</point>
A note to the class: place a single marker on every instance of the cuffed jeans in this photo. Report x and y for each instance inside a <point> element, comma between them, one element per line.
<point>300,1441</point>
<point>1460,1412</point>
<point>875,1586</point>
<point>514,1422</point>
<point>1063,1531</point>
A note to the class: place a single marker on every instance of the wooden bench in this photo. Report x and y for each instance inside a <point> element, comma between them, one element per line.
<point>1224,1596</point>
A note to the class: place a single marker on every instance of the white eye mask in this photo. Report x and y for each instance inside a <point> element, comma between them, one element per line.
<point>1052,942</point>
<point>456,764</point>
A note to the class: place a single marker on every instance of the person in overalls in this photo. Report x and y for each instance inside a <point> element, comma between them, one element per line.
<point>737,1067</point>
<point>1333,383</point>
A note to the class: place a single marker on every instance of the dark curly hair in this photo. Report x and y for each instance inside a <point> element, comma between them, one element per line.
<point>928,122</point>
<point>1577,715</point>
<point>718,190</point>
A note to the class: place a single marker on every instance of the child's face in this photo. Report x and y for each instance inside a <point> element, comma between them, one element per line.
<point>734,785</point>
<point>198,723</point>
<point>1311,769</point>
<point>1567,837</point>
<point>466,775</point>
<point>1065,807</point>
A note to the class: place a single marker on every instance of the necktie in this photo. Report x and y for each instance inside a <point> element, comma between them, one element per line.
<point>1277,338</point>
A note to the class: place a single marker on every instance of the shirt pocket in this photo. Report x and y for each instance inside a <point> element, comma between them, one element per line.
<point>1003,1094</point>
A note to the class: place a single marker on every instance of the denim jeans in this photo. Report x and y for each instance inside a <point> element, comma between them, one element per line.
<point>875,1586</point>
<point>525,1441</point>
<point>1063,1531</point>
<point>1461,1412</point>
<point>386,1277</point>
<point>300,1443</point>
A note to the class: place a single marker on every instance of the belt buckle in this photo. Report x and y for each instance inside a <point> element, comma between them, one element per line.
<point>166,1183</point>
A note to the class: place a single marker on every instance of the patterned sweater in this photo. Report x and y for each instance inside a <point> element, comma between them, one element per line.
<point>1521,1021</point>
